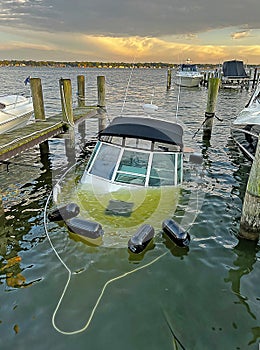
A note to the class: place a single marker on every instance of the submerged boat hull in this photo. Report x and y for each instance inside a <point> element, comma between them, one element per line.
<point>132,178</point>
<point>121,212</point>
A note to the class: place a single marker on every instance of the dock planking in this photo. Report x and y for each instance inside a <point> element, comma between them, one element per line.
<point>22,139</point>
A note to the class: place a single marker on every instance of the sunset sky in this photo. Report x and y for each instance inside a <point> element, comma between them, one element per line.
<point>206,31</point>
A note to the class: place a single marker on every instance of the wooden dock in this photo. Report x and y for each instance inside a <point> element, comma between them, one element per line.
<point>19,140</point>
<point>22,139</point>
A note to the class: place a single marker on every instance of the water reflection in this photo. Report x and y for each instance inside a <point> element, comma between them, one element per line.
<point>176,251</point>
<point>17,221</point>
<point>246,257</point>
<point>242,168</point>
<point>246,252</point>
<point>131,303</point>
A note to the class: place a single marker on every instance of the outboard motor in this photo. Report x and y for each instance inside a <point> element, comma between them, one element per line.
<point>140,240</point>
<point>64,212</point>
<point>176,233</point>
<point>87,231</point>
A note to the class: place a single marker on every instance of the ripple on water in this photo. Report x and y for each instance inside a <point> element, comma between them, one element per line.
<point>214,281</point>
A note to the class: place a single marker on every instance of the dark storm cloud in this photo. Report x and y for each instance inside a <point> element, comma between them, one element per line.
<point>129,17</point>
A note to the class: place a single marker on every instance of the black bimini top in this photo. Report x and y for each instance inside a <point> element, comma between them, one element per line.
<point>146,129</point>
<point>234,69</point>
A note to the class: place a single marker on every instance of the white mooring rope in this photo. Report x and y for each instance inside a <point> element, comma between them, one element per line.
<point>70,273</point>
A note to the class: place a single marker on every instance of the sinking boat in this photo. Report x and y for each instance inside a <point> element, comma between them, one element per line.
<point>245,128</point>
<point>188,75</point>
<point>15,112</point>
<point>129,186</point>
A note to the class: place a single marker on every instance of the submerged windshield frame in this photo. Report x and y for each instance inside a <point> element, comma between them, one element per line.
<point>118,172</point>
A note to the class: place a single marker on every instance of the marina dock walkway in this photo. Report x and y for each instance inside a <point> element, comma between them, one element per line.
<point>19,140</point>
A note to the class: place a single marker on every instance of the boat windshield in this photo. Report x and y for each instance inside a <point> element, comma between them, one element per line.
<point>105,160</point>
<point>135,166</point>
<point>162,170</point>
<point>189,68</point>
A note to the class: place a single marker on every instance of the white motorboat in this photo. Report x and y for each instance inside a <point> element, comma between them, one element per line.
<point>15,112</point>
<point>188,76</point>
<point>246,127</point>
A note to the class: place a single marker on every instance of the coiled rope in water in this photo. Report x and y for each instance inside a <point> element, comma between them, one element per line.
<point>190,218</point>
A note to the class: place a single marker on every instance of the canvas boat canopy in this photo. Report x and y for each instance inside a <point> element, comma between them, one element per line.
<point>234,69</point>
<point>145,128</point>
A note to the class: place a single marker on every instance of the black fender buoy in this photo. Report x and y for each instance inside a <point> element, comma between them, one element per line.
<point>140,240</point>
<point>64,212</point>
<point>176,233</point>
<point>90,232</point>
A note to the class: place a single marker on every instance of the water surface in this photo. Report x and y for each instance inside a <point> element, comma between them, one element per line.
<point>207,296</point>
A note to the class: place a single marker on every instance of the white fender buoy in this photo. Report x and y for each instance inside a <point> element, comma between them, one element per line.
<point>149,107</point>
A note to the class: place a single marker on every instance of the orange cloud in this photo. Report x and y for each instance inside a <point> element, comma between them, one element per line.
<point>81,47</point>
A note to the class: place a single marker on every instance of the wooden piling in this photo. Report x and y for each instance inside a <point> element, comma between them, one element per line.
<point>101,91</point>
<point>169,79</point>
<point>254,79</point>
<point>250,219</point>
<point>45,155</point>
<point>213,87</point>
<point>66,101</point>
<point>1,206</point>
<point>208,78</point>
<point>70,148</point>
<point>81,90</point>
<point>250,75</point>
<point>101,120</point>
<point>2,214</point>
<point>37,98</point>
<point>204,81</point>
<point>82,130</point>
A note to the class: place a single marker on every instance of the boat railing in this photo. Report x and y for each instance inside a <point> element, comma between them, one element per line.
<point>244,131</point>
<point>250,155</point>
<point>16,100</point>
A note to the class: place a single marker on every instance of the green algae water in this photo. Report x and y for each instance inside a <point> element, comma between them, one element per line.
<point>201,298</point>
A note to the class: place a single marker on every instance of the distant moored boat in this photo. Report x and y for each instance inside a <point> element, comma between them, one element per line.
<point>188,75</point>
